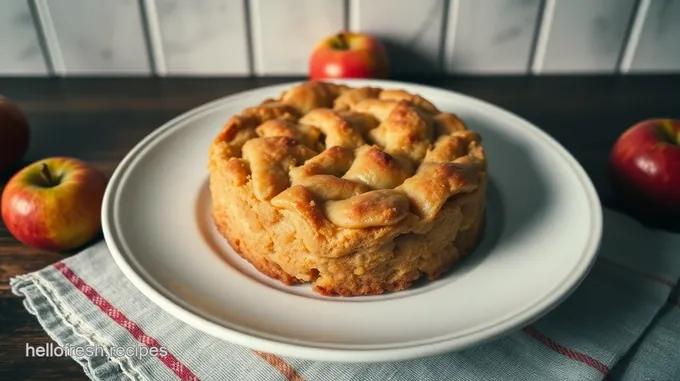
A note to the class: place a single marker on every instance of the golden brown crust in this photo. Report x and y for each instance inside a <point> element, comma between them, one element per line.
<point>359,191</point>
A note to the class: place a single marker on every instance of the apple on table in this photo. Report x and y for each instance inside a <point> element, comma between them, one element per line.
<point>644,166</point>
<point>54,204</point>
<point>14,134</point>
<point>348,55</point>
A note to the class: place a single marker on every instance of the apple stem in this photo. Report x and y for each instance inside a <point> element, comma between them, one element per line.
<point>47,175</point>
<point>341,42</point>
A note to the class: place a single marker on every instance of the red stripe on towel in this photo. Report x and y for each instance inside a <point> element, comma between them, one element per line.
<point>655,278</point>
<point>181,370</point>
<point>564,351</point>
<point>281,365</point>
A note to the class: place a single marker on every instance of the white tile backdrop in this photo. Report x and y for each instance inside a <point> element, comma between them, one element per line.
<point>198,37</point>
<point>411,30</point>
<point>285,32</point>
<point>582,35</point>
<point>86,37</point>
<point>490,36</point>
<point>21,52</point>
<point>275,37</point>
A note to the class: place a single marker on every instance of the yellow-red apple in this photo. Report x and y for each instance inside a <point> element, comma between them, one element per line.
<point>14,134</point>
<point>644,165</point>
<point>348,55</point>
<point>54,204</point>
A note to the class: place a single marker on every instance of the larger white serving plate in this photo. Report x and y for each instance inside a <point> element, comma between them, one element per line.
<point>544,224</point>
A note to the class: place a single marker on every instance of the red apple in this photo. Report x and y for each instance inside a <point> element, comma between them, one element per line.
<point>645,164</point>
<point>54,204</point>
<point>348,55</point>
<point>14,134</point>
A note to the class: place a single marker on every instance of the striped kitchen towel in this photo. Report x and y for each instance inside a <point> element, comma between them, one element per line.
<point>623,322</point>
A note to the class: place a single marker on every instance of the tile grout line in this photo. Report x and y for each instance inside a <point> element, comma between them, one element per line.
<point>249,37</point>
<point>543,36</point>
<point>154,41</point>
<point>449,34</point>
<point>53,49</point>
<point>634,37</point>
<point>258,53</point>
<point>626,36</point>
<point>40,34</point>
<point>353,15</point>
<point>443,31</point>
<point>531,55</point>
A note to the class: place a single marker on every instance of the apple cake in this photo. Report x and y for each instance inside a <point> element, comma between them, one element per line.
<point>358,190</point>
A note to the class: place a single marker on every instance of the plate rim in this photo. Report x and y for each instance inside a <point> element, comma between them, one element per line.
<point>530,314</point>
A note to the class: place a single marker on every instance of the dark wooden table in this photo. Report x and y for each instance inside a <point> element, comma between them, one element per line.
<point>100,120</point>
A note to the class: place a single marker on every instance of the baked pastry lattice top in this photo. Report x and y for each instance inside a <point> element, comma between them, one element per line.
<point>350,157</point>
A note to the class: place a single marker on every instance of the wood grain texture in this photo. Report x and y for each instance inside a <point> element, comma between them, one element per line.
<point>100,120</point>
<point>21,52</point>
<point>582,36</point>
<point>490,37</point>
<point>200,37</point>
<point>411,31</point>
<point>656,46</point>
<point>95,37</point>
<point>286,31</point>
<point>18,329</point>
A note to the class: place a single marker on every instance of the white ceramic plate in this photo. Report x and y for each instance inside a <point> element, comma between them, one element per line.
<point>544,224</point>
